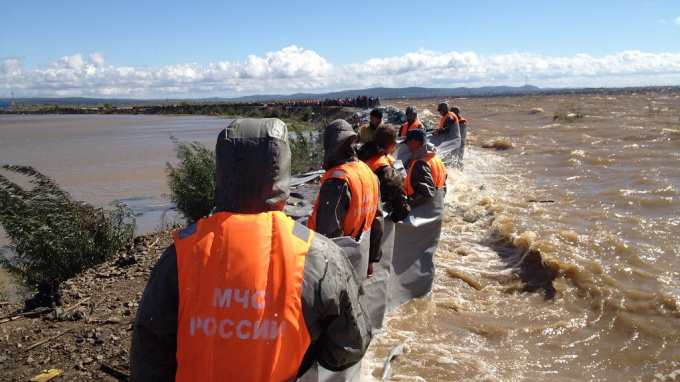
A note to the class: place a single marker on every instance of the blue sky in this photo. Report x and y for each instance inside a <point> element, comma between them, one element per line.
<point>179,49</point>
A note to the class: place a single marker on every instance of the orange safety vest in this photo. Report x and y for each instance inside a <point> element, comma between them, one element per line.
<point>438,172</point>
<point>363,205</point>
<point>378,161</point>
<point>461,119</point>
<point>441,121</point>
<point>405,128</point>
<point>240,311</point>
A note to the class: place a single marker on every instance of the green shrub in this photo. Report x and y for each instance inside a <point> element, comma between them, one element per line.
<point>53,236</point>
<point>192,180</point>
<point>306,150</point>
<point>307,114</point>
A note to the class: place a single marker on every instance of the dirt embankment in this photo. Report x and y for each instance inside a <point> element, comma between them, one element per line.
<point>88,337</point>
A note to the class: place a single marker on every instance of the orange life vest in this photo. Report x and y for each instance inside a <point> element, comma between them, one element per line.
<point>363,187</point>
<point>443,120</point>
<point>461,120</point>
<point>378,161</point>
<point>405,128</point>
<point>240,311</point>
<point>438,172</point>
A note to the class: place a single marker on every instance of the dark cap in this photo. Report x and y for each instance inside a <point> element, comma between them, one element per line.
<point>443,106</point>
<point>455,109</point>
<point>411,110</point>
<point>377,113</point>
<point>417,134</point>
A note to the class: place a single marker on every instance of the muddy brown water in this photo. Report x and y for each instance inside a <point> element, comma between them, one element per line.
<point>592,203</point>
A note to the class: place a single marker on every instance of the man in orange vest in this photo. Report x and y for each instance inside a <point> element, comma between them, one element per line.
<point>247,294</point>
<point>426,172</point>
<point>412,121</point>
<point>348,204</point>
<point>348,211</point>
<point>447,137</point>
<point>377,155</point>
<point>462,122</point>
<point>416,238</point>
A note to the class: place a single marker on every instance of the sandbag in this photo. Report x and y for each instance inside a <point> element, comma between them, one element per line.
<point>416,239</point>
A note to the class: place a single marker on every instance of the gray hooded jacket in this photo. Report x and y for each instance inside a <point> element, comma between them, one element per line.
<point>253,175</point>
<point>334,195</point>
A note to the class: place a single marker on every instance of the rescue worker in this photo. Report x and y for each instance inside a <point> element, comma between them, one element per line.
<point>416,238</point>
<point>426,172</point>
<point>247,294</point>
<point>377,155</point>
<point>412,121</point>
<point>447,137</point>
<point>347,210</point>
<point>367,132</point>
<point>462,122</point>
<point>348,204</point>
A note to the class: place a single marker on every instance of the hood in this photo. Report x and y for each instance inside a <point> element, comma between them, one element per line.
<point>253,166</point>
<point>425,150</point>
<point>338,138</point>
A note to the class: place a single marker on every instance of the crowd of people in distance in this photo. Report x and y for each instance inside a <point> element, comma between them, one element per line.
<point>250,294</point>
<point>363,102</point>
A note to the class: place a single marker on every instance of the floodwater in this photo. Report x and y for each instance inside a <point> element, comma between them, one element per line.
<point>559,255</point>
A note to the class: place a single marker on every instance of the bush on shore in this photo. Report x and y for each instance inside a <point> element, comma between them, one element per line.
<point>53,236</point>
<point>306,150</point>
<point>192,180</point>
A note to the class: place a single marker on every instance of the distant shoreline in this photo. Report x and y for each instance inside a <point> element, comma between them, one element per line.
<point>73,105</point>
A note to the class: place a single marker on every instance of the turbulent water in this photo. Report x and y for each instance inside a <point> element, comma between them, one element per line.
<point>559,253</point>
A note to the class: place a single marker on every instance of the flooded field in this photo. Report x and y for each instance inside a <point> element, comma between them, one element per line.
<point>559,253</point>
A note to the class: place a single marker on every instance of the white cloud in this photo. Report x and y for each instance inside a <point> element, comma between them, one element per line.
<point>10,67</point>
<point>98,60</point>
<point>294,69</point>
<point>677,21</point>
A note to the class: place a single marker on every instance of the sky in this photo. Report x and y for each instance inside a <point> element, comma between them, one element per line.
<point>204,49</point>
